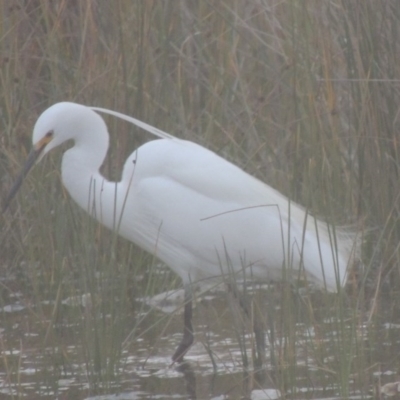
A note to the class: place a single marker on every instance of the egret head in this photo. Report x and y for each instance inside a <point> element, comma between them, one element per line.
<point>62,122</point>
<point>47,132</point>
<point>56,125</point>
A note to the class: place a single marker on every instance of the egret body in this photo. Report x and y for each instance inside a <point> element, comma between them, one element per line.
<point>200,214</point>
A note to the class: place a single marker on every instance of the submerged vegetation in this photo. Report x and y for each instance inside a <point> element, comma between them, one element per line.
<point>301,94</point>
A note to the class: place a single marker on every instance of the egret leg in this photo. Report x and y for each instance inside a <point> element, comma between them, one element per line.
<point>187,339</point>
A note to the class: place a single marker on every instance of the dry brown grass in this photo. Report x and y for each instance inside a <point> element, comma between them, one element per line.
<point>302,94</point>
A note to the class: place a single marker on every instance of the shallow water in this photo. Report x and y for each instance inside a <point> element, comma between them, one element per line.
<point>307,363</point>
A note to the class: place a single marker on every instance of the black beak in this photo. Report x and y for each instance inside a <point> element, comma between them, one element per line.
<point>32,157</point>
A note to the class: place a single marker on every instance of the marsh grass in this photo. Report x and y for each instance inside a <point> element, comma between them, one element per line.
<point>302,94</point>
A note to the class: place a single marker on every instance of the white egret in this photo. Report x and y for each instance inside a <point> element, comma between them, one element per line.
<point>201,215</point>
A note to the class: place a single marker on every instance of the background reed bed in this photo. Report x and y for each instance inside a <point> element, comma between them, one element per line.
<point>301,94</point>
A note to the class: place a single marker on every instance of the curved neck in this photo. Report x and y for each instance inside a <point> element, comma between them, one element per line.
<point>82,179</point>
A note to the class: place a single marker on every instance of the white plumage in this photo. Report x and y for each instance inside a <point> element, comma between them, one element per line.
<point>197,212</point>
